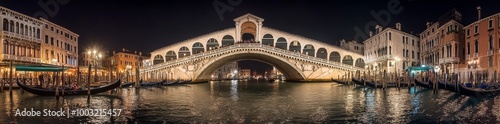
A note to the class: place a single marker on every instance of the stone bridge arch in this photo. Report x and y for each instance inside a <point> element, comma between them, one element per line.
<point>290,70</point>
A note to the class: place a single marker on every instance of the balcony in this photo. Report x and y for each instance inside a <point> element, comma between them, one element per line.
<point>23,37</point>
<point>449,60</point>
<point>20,58</point>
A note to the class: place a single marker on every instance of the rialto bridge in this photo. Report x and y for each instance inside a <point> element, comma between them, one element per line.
<point>298,58</point>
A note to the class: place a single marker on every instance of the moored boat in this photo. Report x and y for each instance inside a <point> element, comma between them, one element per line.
<point>447,86</point>
<point>340,82</point>
<point>423,84</point>
<point>481,91</point>
<point>50,92</point>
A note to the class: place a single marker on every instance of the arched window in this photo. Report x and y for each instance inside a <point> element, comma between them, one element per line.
<point>335,56</point>
<point>184,51</point>
<point>212,44</point>
<point>309,50</point>
<point>322,53</point>
<point>227,40</point>
<point>22,29</point>
<point>158,59</point>
<point>281,43</point>
<point>171,56</point>
<point>5,25</point>
<point>360,63</point>
<point>347,60</point>
<point>295,46</point>
<point>268,40</point>
<point>198,48</point>
<point>17,27</point>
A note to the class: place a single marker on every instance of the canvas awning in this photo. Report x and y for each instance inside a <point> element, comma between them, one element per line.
<point>39,68</point>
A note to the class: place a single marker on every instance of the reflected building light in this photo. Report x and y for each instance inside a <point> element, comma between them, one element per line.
<point>234,90</point>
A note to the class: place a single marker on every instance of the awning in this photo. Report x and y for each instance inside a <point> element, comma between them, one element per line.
<point>39,68</point>
<point>418,68</point>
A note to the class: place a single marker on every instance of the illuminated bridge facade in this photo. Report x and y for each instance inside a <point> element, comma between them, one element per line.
<point>299,58</point>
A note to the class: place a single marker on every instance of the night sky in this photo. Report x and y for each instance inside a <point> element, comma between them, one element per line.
<point>149,25</point>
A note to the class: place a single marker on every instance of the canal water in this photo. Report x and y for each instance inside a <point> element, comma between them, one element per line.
<point>261,102</point>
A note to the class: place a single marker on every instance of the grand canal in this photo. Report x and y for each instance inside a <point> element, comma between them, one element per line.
<point>259,102</point>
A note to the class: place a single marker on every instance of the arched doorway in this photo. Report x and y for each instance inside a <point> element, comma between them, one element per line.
<point>248,31</point>
<point>248,38</point>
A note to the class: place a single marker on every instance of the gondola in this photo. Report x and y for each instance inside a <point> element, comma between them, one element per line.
<point>148,84</point>
<point>478,92</point>
<point>128,84</point>
<point>368,83</point>
<point>169,83</point>
<point>184,82</point>
<point>48,92</point>
<point>447,86</point>
<point>423,84</point>
<point>340,82</point>
<point>271,80</point>
<point>378,85</point>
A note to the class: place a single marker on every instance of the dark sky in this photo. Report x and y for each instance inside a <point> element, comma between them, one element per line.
<point>146,25</point>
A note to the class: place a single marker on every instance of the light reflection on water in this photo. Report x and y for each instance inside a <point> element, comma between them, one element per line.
<point>258,102</point>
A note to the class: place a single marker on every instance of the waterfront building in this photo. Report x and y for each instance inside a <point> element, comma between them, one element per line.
<point>127,62</point>
<point>442,43</point>
<point>391,49</point>
<point>59,45</point>
<point>352,46</point>
<point>482,51</point>
<point>21,38</point>
<point>244,74</point>
<point>226,72</point>
<point>35,42</point>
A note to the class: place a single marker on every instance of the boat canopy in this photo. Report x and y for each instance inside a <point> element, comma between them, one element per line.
<point>39,68</point>
<point>418,68</point>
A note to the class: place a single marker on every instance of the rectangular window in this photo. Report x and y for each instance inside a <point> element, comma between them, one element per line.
<point>476,29</point>
<point>468,32</point>
<point>490,61</point>
<point>468,48</point>
<point>412,54</point>
<point>490,24</point>
<point>404,52</point>
<point>51,40</point>
<point>46,39</point>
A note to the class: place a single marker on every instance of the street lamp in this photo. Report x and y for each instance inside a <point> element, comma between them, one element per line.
<point>94,56</point>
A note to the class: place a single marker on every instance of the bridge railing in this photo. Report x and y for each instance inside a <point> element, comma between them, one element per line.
<point>254,45</point>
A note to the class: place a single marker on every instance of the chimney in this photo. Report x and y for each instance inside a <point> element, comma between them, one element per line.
<point>371,33</point>
<point>398,26</point>
<point>140,53</point>
<point>428,24</point>
<point>378,28</point>
<point>114,52</point>
<point>135,52</point>
<point>123,49</point>
<point>478,12</point>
